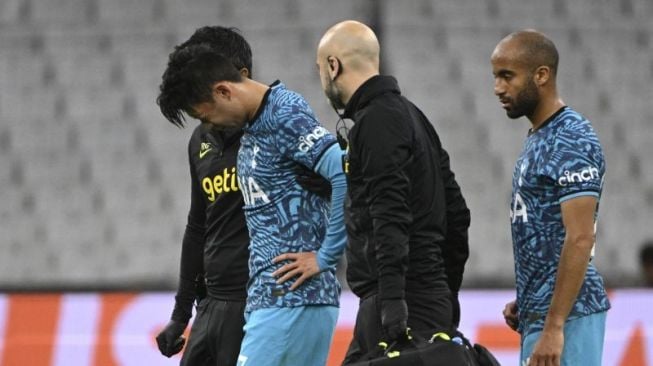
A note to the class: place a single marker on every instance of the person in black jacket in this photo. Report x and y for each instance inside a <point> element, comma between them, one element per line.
<point>406,218</point>
<point>214,258</point>
<point>214,249</point>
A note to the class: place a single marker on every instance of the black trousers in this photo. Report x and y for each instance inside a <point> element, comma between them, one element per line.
<point>216,334</point>
<point>427,312</point>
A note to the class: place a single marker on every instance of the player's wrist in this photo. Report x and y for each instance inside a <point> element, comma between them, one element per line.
<point>178,323</point>
<point>554,323</point>
<point>181,314</point>
<point>324,260</point>
<point>391,288</point>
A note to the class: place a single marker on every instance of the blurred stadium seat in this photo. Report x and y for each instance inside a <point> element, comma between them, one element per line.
<point>95,182</point>
<point>59,12</point>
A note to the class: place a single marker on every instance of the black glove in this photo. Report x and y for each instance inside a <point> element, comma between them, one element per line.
<point>394,319</point>
<point>313,182</point>
<point>170,340</point>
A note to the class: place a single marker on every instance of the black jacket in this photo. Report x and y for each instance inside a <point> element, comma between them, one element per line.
<point>406,218</point>
<point>216,237</point>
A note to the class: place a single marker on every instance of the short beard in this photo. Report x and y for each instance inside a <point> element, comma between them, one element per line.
<point>525,102</point>
<point>334,95</point>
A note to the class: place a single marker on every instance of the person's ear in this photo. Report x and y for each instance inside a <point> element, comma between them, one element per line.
<point>244,72</point>
<point>222,90</point>
<point>334,67</point>
<point>542,75</point>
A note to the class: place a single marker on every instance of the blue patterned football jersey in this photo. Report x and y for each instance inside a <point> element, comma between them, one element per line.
<point>561,160</point>
<point>281,216</point>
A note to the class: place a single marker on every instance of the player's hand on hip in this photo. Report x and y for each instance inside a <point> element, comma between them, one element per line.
<point>510,315</point>
<point>302,265</point>
<point>170,339</point>
<point>548,349</point>
<point>394,319</point>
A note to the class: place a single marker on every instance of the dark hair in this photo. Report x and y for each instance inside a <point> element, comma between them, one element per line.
<point>189,78</point>
<point>646,253</point>
<point>226,41</point>
<point>537,49</point>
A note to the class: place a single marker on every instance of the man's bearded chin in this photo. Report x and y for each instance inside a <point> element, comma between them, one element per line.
<point>334,96</point>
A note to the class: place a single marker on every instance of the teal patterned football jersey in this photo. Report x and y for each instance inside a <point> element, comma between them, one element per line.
<point>281,216</point>
<point>561,160</point>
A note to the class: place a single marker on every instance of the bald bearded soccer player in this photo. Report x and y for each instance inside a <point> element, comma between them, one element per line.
<point>406,218</point>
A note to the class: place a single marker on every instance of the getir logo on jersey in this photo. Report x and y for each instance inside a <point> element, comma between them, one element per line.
<point>225,182</point>
<point>307,142</point>
<point>584,175</point>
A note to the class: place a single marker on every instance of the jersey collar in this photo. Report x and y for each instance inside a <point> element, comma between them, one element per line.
<point>264,103</point>
<point>548,120</point>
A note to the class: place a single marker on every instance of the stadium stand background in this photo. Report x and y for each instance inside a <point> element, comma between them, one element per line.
<point>94,182</point>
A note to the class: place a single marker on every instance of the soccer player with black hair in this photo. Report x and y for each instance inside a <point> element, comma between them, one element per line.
<point>296,236</point>
<point>214,269</point>
<point>214,249</point>
<point>561,304</point>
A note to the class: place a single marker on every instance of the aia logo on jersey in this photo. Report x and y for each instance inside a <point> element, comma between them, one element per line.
<point>519,209</point>
<point>307,142</point>
<point>252,191</point>
<point>584,175</point>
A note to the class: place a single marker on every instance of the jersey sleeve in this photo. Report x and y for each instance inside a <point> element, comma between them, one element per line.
<point>301,137</point>
<point>576,164</point>
<point>330,166</point>
<point>192,249</point>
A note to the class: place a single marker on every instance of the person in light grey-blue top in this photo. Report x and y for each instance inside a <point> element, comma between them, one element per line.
<point>561,304</point>
<point>296,236</point>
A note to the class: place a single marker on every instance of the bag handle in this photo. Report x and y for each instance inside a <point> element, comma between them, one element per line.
<point>389,349</point>
<point>414,340</point>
